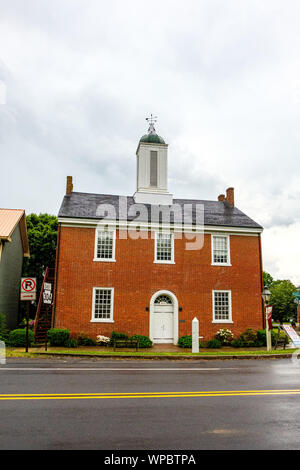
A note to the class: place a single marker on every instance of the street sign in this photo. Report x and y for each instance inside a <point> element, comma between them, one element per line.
<point>28,288</point>
<point>28,284</point>
<point>296,294</point>
<point>47,286</point>
<point>29,296</point>
<point>47,297</point>
<point>294,337</point>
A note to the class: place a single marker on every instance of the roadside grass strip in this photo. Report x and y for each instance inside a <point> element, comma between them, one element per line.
<point>86,396</point>
<point>145,354</point>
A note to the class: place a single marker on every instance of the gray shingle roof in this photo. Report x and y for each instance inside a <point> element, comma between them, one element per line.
<point>218,213</point>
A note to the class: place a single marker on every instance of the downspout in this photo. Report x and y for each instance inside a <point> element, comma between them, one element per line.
<point>56,275</point>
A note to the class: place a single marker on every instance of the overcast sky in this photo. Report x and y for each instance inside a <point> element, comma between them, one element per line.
<point>78,78</point>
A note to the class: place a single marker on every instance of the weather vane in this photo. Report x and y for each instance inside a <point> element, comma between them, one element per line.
<point>151,121</point>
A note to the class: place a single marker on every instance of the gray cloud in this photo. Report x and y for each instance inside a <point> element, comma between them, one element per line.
<point>223,77</point>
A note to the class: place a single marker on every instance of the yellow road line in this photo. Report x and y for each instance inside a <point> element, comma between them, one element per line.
<point>216,393</point>
<point>147,393</point>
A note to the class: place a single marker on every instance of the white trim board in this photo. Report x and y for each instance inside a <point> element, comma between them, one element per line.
<point>119,224</point>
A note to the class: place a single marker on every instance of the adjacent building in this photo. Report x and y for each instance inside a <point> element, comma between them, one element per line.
<point>13,247</point>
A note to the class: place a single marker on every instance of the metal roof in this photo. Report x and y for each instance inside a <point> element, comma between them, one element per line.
<point>9,219</point>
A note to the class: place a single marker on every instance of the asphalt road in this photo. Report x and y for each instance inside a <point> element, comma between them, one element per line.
<point>161,405</point>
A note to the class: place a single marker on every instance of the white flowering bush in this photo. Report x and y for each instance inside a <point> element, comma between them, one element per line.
<point>102,340</point>
<point>225,336</point>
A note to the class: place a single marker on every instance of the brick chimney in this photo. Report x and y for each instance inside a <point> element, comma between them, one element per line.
<point>230,196</point>
<point>69,187</point>
<point>221,197</point>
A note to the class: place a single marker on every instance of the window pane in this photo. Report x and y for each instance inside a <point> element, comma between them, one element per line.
<point>105,245</point>
<point>164,247</point>
<point>220,249</point>
<point>102,306</point>
<point>221,305</point>
<point>163,300</point>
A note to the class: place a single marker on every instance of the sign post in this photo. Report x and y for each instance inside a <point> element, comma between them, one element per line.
<point>28,293</point>
<point>195,335</point>
<point>27,323</point>
<point>47,299</point>
<point>269,326</point>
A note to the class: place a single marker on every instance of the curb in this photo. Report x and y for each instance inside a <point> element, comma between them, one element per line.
<point>171,357</point>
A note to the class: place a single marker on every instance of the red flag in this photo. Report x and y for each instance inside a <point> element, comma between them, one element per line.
<point>269,316</point>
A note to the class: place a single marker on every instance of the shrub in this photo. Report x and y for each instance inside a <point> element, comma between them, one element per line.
<point>144,341</point>
<point>282,335</point>
<point>262,340</point>
<point>115,336</point>
<point>248,338</point>
<point>90,342</point>
<point>186,342</point>
<point>102,340</point>
<point>23,323</point>
<point>3,329</point>
<point>225,336</point>
<point>17,338</point>
<point>58,337</point>
<point>71,343</point>
<point>237,343</point>
<point>84,340</point>
<point>213,344</point>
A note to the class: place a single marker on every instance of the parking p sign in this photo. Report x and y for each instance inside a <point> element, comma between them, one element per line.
<point>28,288</point>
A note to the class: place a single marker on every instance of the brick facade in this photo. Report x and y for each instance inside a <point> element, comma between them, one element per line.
<point>135,278</point>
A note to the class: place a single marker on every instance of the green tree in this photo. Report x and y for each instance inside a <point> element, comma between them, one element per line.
<point>282,299</point>
<point>42,235</point>
<point>268,280</point>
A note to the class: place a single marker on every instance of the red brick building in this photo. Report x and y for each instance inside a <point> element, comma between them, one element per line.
<point>149,264</point>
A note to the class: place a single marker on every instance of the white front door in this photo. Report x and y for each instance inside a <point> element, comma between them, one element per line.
<point>163,318</point>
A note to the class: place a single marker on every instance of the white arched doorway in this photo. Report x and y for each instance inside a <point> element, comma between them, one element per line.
<point>164,317</point>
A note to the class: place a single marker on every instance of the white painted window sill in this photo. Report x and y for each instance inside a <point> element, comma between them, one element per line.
<point>222,321</point>
<point>105,260</point>
<point>221,264</point>
<point>163,262</point>
<point>102,321</point>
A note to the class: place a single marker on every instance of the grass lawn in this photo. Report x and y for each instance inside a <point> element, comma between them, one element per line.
<point>96,351</point>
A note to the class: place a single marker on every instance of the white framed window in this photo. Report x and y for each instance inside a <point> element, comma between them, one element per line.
<point>103,304</point>
<point>164,248</point>
<point>222,309</point>
<point>220,250</point>
<point>105,245</point>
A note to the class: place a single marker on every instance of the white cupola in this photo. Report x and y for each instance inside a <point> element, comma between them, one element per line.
<point>152,169</point>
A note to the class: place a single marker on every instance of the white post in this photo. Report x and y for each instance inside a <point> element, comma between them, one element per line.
<point>2,353</point>
<point>195,335</point>
<point>268,332</point>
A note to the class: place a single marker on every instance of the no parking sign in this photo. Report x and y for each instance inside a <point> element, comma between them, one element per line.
<point>28,288</point>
